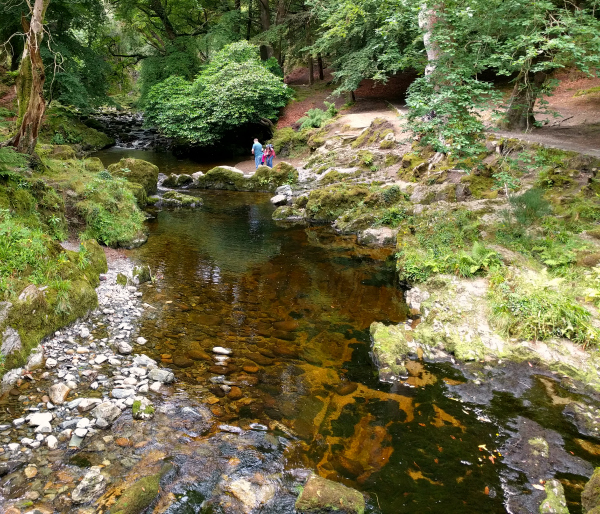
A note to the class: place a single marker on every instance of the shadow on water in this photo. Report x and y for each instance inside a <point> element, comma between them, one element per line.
<point>295,305</point>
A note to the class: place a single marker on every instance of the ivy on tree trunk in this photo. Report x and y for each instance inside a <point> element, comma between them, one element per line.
<point>30,84</point>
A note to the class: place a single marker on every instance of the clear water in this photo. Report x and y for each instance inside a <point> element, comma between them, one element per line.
<point>295,303</point>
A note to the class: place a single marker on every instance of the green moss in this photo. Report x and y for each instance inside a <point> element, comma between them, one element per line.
<point>590,497</point>
<point>331,177</point>
<point>110,212</point>
<point>121,280</point>
<point>93,164</point>
<point>555,502</point>
<point>137,171</point>
<point>329,203</point>
<point>285,212</point>
<point>62,126</point>
<point>137,497</point>
<point>177,199</point>
<point>374,134</point>
<point>391,158</point>
<point>387,145</point>
<point>137,407</point>
<point>480,186</point>
<point>390,345</point>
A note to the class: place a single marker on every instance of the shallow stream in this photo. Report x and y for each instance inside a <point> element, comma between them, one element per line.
<point>295,303</point>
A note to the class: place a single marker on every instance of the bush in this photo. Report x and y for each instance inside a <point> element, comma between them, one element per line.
<point>231,91</point>
<point>316,117</point>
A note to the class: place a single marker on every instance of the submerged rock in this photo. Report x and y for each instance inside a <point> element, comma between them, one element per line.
<point>555,502</point>
<point>590,497</point>
<point>176,199</point>
<point>321,495</point>
<point>142,408</point>
<point>90,487</point>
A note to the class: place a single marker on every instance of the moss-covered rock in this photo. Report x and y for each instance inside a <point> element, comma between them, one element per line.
<point>62,126</point>
<point>137,171</point>
<point>390,347</point>
<point>37,314</point>
<point>176,199</point>
<point>320,496</point>
<point>138,497</point>
<point>286,212</point>
<point>62,152</point>
<point>93,164</point>
<point>265,179</point>
<point>329,203</point>
<point>590,497</point>
<point>555,502</point>
<point>174,180</point>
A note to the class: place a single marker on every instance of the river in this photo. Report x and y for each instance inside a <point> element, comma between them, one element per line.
<point>295,303</point>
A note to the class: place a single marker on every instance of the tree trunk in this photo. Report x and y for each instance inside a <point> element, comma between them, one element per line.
<point>519,114</point>
<point>320,65</point>
<point>249,27</point>
<point>427,19</point>
<point>265,23</point>
<point>280,15</point>
<point>238,24</point>
<point>30,84</point>
<point>311,70</point>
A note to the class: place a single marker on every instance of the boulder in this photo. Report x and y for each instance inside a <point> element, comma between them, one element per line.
<point>62,152</point>
<point>137,171</point>
<point>279,200</point>
<point>590,497</point>
<point>10,379</point>
<point>139,496</point>
<point>176,199</point>
<point>58,393</point>
<point>383,236</point>
<point>322,495</point>
<point>93,164</point>
<point>141,274</point>
<point>36,359</point>
<point>286,190</point>
<point>251,495</point>
<point>174,180</point>
<point>90,487</point>
<point>143,361</point>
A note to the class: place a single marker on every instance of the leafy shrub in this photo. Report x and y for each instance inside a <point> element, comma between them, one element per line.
<point>392,194</point>
<point>538,308</point>
<point>105,175</point>
<point>316,117</point>
<point>479,260</point>
<point>231,91</point>
<point>58,139</point>
<point>392,217</point>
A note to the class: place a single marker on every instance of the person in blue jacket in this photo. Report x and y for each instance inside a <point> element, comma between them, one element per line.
<point>257,151</point>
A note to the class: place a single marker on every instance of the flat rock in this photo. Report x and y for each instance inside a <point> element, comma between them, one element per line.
<point>161,375</point>
<point>39,418</point>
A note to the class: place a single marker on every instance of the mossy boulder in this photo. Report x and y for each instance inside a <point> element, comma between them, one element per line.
<point>141,197</point>
<point>138,497</point>
<point>62,153</point>
<point>321,495</point>
<point>590,497</point>
<point>390,347</point>
<point>137,171</point>
<point>265,179</point>
<point>141,274</point>
<point>176,199</point>
<point>174,180</point>
<point>555,502</point>
<point>286,212</point>
<point>93,164</point>
<point>327,204</point>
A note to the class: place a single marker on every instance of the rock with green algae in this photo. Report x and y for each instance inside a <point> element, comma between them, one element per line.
<point>390,346</point>
<point>137,171</point>
<point>555,502</point>
<point>176,199</point>
<point>141,274</point>
<point>142,409</point>
<point>590,497</point>
<point>174,180</point>
<point>140,495</point>
<point>321,495</point>
<point>122,279</point>
<point>265,179</point>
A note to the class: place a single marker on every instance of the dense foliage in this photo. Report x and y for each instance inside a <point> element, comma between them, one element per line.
<point>233,90</point>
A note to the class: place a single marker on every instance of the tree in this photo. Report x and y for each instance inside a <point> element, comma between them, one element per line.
<point>30,84</point>
<point>235,89</point>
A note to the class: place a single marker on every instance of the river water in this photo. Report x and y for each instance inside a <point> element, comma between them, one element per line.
<point>294,303</point>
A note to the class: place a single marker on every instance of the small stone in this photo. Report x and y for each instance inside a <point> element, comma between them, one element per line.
<point>141,340</point>
<point>155,387</point>
<point>52,442</point>
<point>90,487</point>
<point>124,348</point>
<point>31,471</point>
<point>235,393</point>
<point>123,442</point>
<point>100,359</point>
<point>81,432</point>
<point>251,368</point>
<point>39,418</point>
<point>43,429</point>
<point>51,363</point>
<point>161,375</point>
<point>183,362</point>
<point>221,350</point>
<point>84,332</point>
<point>122,393</point>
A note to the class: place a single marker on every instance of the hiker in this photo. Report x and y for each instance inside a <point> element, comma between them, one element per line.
<point>270,155</point>
<point>257,151</point>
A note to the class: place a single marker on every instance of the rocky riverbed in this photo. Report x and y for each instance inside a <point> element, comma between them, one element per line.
<point>91,421</point>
